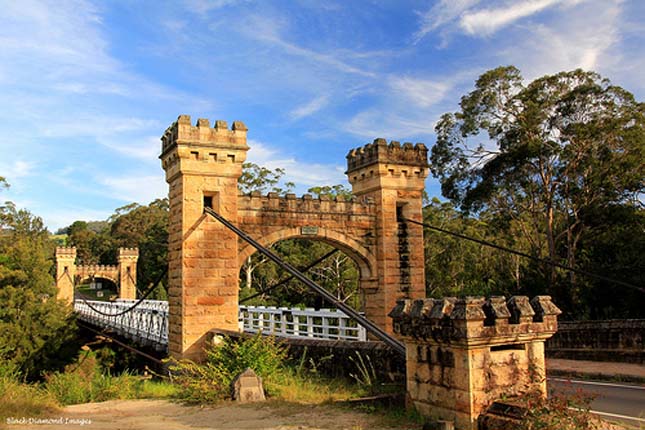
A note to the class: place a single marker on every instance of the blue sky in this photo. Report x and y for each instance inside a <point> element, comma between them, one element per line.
<point>87,88</point>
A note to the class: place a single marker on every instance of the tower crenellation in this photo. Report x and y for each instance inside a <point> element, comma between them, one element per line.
<point>393,153</point>
<point>193,148</point>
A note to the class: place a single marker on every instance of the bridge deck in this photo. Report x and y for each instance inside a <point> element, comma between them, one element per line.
<point>147,323</point>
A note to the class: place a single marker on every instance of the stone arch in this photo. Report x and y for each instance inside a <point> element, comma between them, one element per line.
<point>114,281</point>
<point>363,258</point>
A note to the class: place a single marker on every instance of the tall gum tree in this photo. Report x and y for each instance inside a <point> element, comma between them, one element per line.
<point>542,156</point>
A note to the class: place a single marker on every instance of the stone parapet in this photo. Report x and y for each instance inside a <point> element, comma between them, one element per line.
<point>464,354</point>
<point>475,321</point>
<point>393,153</point>
<point>306,204</point>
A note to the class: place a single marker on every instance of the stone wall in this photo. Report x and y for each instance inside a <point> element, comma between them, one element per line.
<point>610,340</point>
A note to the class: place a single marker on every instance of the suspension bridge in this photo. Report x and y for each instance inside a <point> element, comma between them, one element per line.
<point>147,323</point>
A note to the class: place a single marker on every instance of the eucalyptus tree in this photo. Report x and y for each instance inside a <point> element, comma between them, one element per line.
<point>543,156</point>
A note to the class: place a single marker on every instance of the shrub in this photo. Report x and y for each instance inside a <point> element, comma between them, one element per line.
<point>562,412</point>
<point>87,382</point>
<point>210,382</point>
<point>19,400</point>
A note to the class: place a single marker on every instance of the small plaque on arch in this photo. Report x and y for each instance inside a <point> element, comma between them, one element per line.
<point>308,230</point>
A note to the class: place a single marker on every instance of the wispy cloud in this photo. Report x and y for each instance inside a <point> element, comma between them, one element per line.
<point>466,16</point>
<point>583,39</point>
<point>205,6</point>
<point>136,188</point>
<point>268,30</point>
<point>487,21</point>
<point>443,13</point>
<point>309,108</point>
<point>422,92</point>
<point>11,170</point>
<point>303,174</point>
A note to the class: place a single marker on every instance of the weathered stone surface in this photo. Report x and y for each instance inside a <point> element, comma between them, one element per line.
<point>202,166</point>
<point>463,354</point>
<point>247,387</point>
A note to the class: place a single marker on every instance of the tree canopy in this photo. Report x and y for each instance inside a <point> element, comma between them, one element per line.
<point>34,326</point>
<point>543,158</point>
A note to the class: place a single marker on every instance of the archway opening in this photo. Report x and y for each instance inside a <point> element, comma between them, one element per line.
<point>96,288</point>
<point>262,282</point>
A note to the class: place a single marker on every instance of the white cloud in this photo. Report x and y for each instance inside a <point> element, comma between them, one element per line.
<point>441,14</point>
<point>146,149</point>
<point>309,108</point>
<point>465,16</point>
<point>16,169</point>
<point>422,92</point>
<point>584,38</point>
<point>205,6</point>
<point>268,30</point>
<point>488,21</point>
<point>303,174</point>
<point>132,188</point>
<point>374,122</point>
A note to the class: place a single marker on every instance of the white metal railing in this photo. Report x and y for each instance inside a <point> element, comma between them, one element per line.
<point>293,322</point>
<point>147,324</point>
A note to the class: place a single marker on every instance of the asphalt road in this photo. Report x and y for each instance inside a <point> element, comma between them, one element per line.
<point>615,402</point>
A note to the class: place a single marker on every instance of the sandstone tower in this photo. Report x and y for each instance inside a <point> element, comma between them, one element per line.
<point>202,165</point>
<point>65,273</point>
<point>127,263</point>
<point>393,176</point>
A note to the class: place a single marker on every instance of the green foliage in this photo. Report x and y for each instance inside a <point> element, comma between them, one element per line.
<point>537,159</point>
<point>456,267</point>
<point>18,399</point>
<point>258,178</point>
<point>338,274</point>
<point>35,329</point>
<point>85,381</point>
<point>210,381</point>
<point>133,225</point>
<point>365,374</point>
<point>333,192</point>
<point>558,412</point>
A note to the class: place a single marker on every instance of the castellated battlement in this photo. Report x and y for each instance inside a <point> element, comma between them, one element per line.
<point>306,204</point>
<point>383,153</point>
<point>202,149</point>
<point>202,134</point>
<point>66,251</point>
<point>475,320</point>
<point>94,268</point>
<point>128,252</point>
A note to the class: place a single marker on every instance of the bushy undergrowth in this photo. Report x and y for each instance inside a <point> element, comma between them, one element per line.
<point>18,399</point>
<point>562,412</point>
<point>225,359</point>
<point>86,381</point>
<point>210,382</point>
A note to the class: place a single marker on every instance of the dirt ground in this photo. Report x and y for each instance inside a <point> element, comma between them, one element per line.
<point>161,414</point>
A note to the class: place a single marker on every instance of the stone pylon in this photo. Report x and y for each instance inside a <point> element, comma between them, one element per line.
<point>127,262</point>
<point>202,165</point>
<point>65,273</point>
<point>393,177</point>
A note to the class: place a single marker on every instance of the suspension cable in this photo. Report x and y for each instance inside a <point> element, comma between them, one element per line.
<point>525,255</point>
<point>284,281</point>
<point>137,303</point>
<point>369,325</point>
